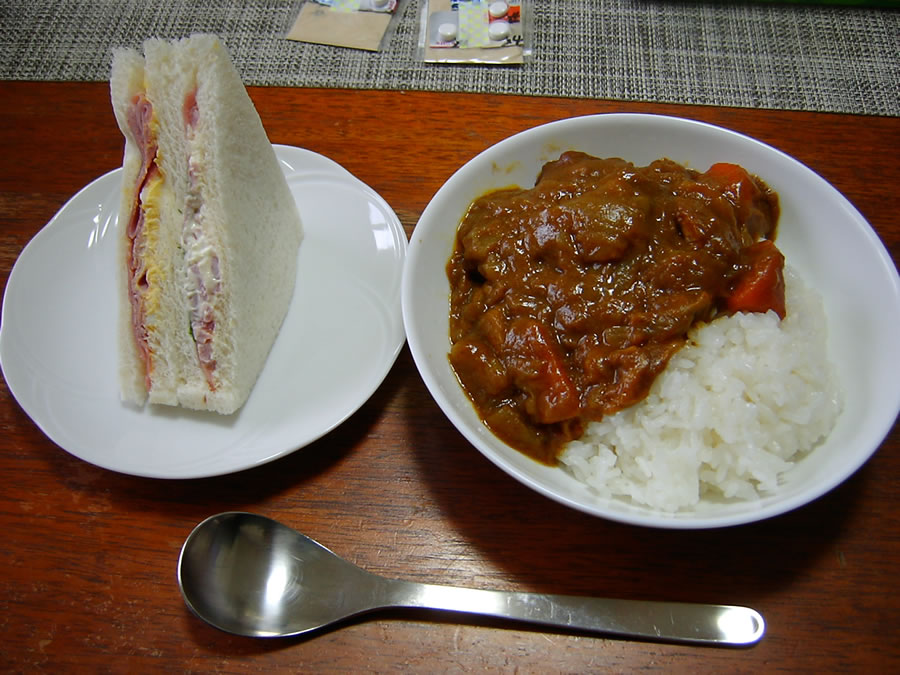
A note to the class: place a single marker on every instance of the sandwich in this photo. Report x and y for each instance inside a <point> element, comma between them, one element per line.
<point>208,230</point>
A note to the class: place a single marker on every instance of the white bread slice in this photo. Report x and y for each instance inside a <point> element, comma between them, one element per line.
<point>126,80</point>
<point>126,83</point>
<point>247,217</point>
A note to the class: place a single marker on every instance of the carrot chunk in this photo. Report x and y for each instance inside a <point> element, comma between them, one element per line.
<point>737,181</point>
<point>761,287</point>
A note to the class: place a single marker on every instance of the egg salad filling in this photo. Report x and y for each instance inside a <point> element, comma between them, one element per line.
<point>203,279</point>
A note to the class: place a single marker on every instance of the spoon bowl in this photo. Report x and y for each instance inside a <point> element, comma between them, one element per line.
<point>253,576</point>
<point>250,575</point>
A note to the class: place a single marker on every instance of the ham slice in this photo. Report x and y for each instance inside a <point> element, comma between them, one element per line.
<point>140,114</point>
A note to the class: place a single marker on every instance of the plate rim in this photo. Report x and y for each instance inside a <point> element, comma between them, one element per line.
<point>287,156</point>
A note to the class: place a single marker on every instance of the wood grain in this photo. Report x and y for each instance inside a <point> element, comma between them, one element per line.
<point>89,555</point>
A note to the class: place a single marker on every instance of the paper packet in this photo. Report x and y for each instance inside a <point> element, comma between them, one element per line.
<point>356,24</point>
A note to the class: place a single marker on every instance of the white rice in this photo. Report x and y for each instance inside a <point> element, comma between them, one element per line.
<point>745,398</point>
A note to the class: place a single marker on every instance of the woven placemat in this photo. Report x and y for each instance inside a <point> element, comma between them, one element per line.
<point>747,54</point>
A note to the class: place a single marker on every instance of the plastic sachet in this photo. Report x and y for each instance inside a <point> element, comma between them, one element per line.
<point>490,32</point>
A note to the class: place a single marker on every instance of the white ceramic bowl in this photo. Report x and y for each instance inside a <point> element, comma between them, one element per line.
<point>821,234</point>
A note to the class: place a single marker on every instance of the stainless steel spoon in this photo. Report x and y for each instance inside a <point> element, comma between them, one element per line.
<point>250,575</point>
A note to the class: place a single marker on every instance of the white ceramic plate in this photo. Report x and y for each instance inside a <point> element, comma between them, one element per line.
<point>342,333</point>
<point>821,234</point>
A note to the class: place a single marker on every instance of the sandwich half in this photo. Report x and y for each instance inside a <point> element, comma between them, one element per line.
<point>208,229</point>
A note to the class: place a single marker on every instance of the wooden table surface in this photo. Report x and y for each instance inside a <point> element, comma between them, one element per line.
<point>88,555</point>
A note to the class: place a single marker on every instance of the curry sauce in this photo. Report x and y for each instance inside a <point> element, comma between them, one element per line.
<point>569,298</point>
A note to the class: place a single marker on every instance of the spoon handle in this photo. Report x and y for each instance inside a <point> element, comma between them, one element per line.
<point>724,625</point>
